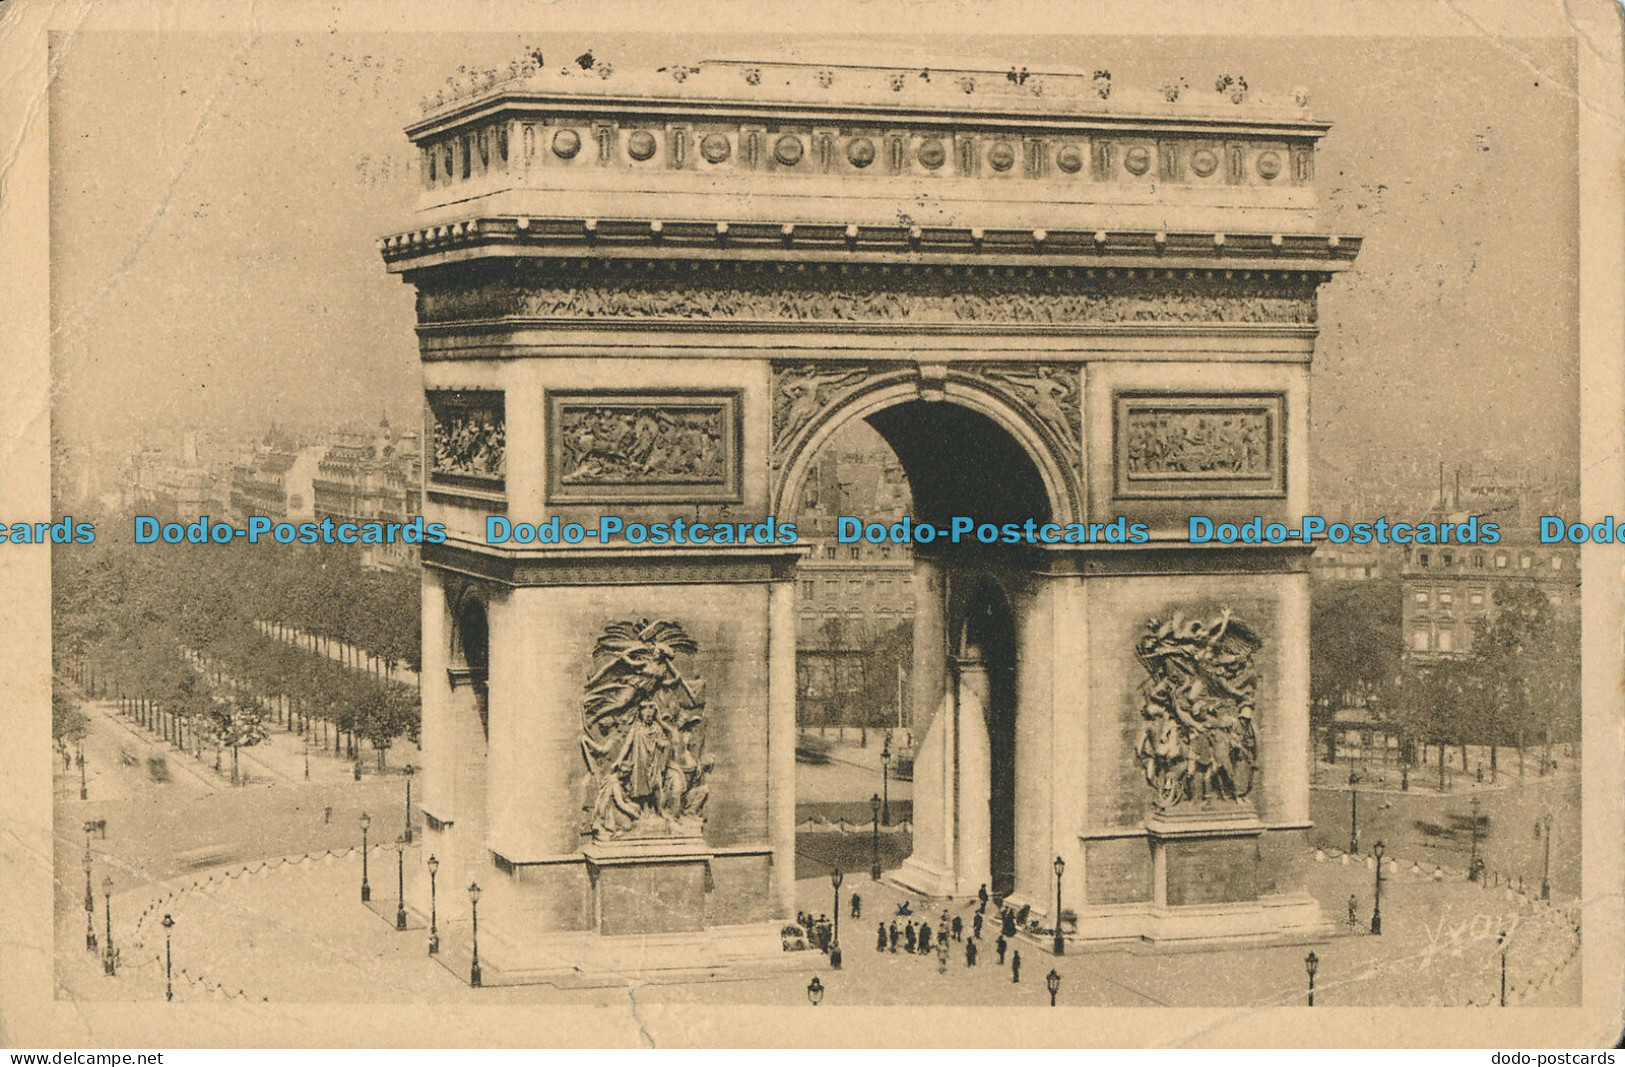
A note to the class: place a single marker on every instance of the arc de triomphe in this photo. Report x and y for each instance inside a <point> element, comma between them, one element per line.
<point>657,295</point>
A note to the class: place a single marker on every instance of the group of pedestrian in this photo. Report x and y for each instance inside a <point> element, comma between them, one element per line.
<point>921,939</point>
<point>820,931</point>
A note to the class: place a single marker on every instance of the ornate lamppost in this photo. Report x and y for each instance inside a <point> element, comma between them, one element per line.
<point>110,958</point>
<point>815,991</point>
<point>434,927</point>
<point>1311,963</point>
<point>1354,815</point>
<point>1376,907</point>
<point>1472,862</point>
<point>874,851</point>
<point>1546,870</point>
<point>169,985</point>
<point>366,889</point>
<point>400,883</point>
<point>84,785</point>
<point>885,780</point>
<point>90,901</point>
<point>410,770</point>
<point>1052,980</point>
<point>835,937</point>
<point>1060,942</point>
<point>474,907</point>
<point>1501,942</point>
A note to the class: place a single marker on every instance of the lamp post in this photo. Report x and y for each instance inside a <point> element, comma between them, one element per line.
<point>835,935</point>
<point>885,780</point>
<point>815,991</point>
<point>434,926</point>
<point>1060,942</point>
<point>1546,870</point>
<point>108,958</point>
<point>1376,907</point>
<point>410,770</point>
<point>366,889</point>
<point>874,850</point>
<point>1472,860</point>
<point>474,907</point>
<point>90,901</point>
<point>1501,941</point>
<point>400,883</point>
<point>307,757</point>
<point>1354,815</point>
<point>84,786</point>
<point>169,985</point>
<point>1311,963</point>
<point>1053,981</point>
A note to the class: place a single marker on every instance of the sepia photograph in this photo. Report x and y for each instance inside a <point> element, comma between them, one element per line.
<point>659,524</point>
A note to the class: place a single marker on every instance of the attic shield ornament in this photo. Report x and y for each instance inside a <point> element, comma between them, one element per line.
<point>1198,742</point>
<point>643,732</point>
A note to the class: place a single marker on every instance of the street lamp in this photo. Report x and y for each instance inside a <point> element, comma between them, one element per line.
<point>169,986</point>
<point>84,786</point>
<point>1376,907</point>
<point>434,927</point>
<point>1501,941</point>
<point>1472,861</point>
<point>835,936</point>
<point>410,770</point>
<point>366,889</point>
<point>1354,815</point>
<point>1546,871</point>
<point>474,906</point>
<point>1060,943</point>
<point>400,883</point>
<point>1053,981</point>
<point>874,851</point>
<point>109,958</point>
<point>885,780</point>
<point>1311,963</point>
<point>90,902</point>
<point>815,991</point>
<point>307,758</point>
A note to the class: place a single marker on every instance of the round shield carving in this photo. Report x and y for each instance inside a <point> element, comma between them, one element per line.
<point>861,152</point>
<point>787,150</point>
<point>1269,165</point>
<point>1137,160</point>
<point>1001,156</point>
<point>931,154</point>
<point>1069,159</point>
<point>566,143</point>
<point>641,145</point>
<point>715,147</point>
<point>1204,161</point>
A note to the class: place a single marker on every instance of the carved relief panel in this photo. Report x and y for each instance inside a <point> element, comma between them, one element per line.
<point>644,446</point>
<point>468,438</point>
<point>1210,445</point>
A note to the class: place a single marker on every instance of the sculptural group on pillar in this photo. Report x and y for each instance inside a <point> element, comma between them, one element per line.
<point>643,735</point>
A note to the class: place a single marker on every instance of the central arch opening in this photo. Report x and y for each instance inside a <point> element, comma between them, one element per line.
<point>888,634</point>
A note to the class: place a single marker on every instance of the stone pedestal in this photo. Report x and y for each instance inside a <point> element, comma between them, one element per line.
<point>649,886</point>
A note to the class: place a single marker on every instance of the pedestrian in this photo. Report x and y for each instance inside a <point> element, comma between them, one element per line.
<point>942,955</point>
<point>1000,946</point>
<point>880,938</point>
<point>1008,920</point>
<point>908,934</point>
<point>959,929</point>
<point>925,938</point>
<point>893,935</point>
<point>976,925</point>
<point>903,909</point>
<point>981,895</point>
<point>857,906</point>
<point>970,953</point>
<point>1015,966</point>
<point>1354,910</point>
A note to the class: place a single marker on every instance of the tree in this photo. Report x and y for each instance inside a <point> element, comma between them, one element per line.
<point>235,724</point>
<point>1354,639</point>
<point>68,723</point>
<point>1531,662</point>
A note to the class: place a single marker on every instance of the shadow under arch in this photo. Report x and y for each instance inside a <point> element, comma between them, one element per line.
<point>985,643</point>
<point>965,451</point>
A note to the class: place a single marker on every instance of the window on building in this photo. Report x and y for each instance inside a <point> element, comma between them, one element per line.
<point>1476,598</point>
<point>885,551</point>
<point>857,552</point>
<point>1446,597</point>
<point>1422,558</point>
<point>1447,558</point>
<point>809,588</point>
<point>1421,596</point>
<point>1557,563</point>
<point>1419,640</point>
<point>1447,640</point>
<point>1478,559</point>
<point>1501,560</point>
<point>1525,560</point>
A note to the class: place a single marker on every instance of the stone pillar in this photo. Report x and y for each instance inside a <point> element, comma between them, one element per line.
<point>972,786</point>
<point>781,744</point>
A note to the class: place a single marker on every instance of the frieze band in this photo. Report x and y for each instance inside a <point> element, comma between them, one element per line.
<point>664,446</point>
<point>748,293</point>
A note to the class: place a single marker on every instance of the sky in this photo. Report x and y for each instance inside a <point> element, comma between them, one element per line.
<point>216,199</point>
